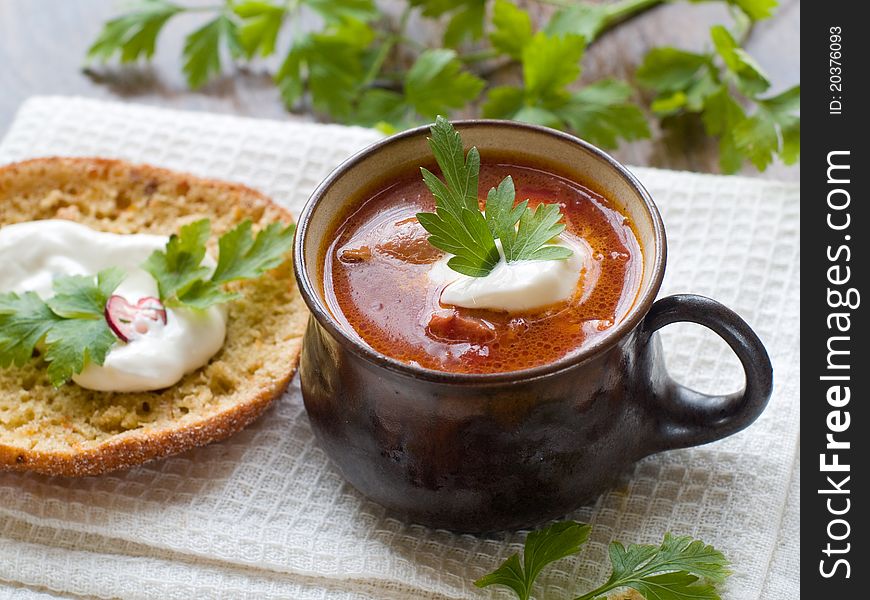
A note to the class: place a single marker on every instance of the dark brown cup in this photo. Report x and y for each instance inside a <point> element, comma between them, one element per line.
<point>509,450</point>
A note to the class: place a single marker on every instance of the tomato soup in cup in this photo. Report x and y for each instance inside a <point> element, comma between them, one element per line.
<point>479,398</point>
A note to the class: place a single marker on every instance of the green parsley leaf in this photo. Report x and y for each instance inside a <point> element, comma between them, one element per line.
<point>681,568</point>
<point>330,64</point>
<point>436,8</point>
<point>678,585</point>
<point>550,63</point>
<point>542,548</point>
<point>670,571</point>
<point>466,20</point>
<point>183,280</point>
<point>202,56</point>
<point>753,10</point>
<point>503,102</point>
<point>341,11</point>
<point>203,294</point>
<point>748,74</point>
<point>513,28</point>
<point>72,323</point>
<point>531,239</point>
<point>180,265</point>
<point>582,19</point>
<point>756,9</point>
<point>76,296</point>
<point>24,321</point>
<point>134,34</point>
<point>501,214</point>
<point>466,23</point>
<point>670,69</point>
<point>382,108</point>
<point>460,171</point>
<point>538,116</point>
<point>721,115</point>
<point>243,257</point>
<point>603,113</point>
<point>774,128</point>
<point>436,83</point>
<point>458,227</point>
<point>73,343</point>
<point>261,24</point>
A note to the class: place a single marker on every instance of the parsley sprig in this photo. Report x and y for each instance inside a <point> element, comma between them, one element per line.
<point>717,86</point>
<point>457,226</point>
<point>71,329</point>
<point>361,65</point>
<point>677,569</point>
<point>183,280</point>
<point>71,324</point>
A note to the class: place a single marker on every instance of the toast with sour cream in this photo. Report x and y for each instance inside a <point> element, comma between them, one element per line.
<point>217,388</point>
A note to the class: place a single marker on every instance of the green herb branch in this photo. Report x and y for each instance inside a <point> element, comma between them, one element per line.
<point>457,226</point>
<point>680,568</point>
<point>71,328</point>
<point>71,324</point>
<point>717,86</point>
<point>362,67</point>
<point>183,280</point>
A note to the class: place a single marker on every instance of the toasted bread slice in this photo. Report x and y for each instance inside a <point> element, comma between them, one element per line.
<point>72,431</point>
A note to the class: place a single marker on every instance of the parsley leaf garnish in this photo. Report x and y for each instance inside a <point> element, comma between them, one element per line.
<point>178,266</point>
<point>457,225</point>
<point>678,569</point>
<point>183,280</point>
<point>71,324</point>
<point>82,335</point>
<point>77,297</point>
<point>73,343</point>
<point>530,239</point>
<point>242,256</point>
<point>24,321</point>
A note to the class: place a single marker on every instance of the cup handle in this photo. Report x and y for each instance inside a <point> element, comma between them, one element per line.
<point>685,417</point>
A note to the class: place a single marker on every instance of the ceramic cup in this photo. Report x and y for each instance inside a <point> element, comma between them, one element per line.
<point>476,453</point>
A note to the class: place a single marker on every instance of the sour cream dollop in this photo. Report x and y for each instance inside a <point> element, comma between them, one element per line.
<point>32,254</point>
<point>517,286</point>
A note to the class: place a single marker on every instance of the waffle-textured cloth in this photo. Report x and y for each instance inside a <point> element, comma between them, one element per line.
<point>265,515</point>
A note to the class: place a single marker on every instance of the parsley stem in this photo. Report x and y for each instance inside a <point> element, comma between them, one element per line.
<point>621,11</point>
<point>387,46</point>
<point>196,9</point>
<point>479,56</point>
<point>595,593</point>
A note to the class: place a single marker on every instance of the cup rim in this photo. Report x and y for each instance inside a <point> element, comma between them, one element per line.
<point>323,316</point>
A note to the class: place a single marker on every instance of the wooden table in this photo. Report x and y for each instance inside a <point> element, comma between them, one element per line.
<point>43,44</point>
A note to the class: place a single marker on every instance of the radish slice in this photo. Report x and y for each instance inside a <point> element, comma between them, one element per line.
<point>130,321</point>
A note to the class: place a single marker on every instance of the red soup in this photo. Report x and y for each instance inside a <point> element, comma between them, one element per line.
<point>377,284</point>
